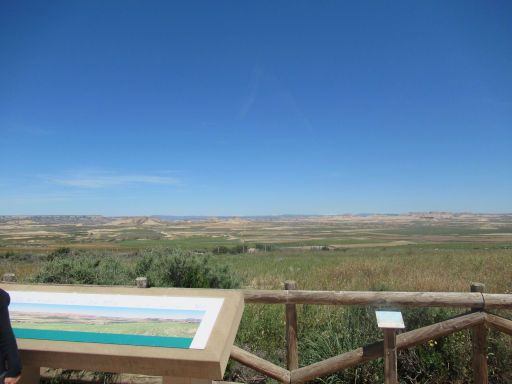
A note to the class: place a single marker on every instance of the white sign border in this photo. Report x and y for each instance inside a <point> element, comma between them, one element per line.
<point>211,305</point>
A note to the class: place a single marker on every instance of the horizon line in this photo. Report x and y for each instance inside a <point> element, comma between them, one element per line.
<point>260,215</point>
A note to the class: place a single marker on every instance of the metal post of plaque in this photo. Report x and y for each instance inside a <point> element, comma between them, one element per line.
<point>389,322</point>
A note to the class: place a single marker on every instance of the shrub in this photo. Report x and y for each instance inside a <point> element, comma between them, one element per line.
<point>59,252</point>
<point>264,247</point>
<point>176,268</point>
<point>8,255</point>
<point>239,248</point>
<point>220,250</point>
<point>82,269</point>
<point>163,268</point>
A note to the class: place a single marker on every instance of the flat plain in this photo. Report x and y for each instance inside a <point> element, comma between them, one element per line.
<point>435,251</point>
<point>43,233</point>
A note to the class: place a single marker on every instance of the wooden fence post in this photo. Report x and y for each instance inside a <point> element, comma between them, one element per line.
<point>390,359</point>
<point>479,344</point>
<point>292,353</point>
<point>141,282</point>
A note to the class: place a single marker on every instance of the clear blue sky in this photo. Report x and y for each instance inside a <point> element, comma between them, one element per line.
<point>126,312</point>
<point>255,107</point>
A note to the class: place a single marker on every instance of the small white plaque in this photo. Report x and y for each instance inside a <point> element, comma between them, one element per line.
<point>390,319</point>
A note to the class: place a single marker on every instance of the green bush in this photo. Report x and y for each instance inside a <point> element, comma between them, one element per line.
<point>220,250</point>
<point>58,253</point>
<point>176,268</point>
<point>8,255</point>
<point>82,269</point>
<point>265,247</point>
<point>163,268</point>
<point>234,250</point>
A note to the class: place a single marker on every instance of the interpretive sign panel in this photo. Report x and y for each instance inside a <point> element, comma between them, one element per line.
<point>390,319</point>
<point>173,322</point>
<point>169,332</point>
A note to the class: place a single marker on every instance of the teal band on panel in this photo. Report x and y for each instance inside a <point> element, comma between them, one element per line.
<point>103,338</point>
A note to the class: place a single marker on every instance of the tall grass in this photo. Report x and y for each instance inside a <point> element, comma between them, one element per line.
<point>325,331</point>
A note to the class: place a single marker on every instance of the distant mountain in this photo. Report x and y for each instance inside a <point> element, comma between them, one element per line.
<point>156,220</point>
<point>55,219</point>
<point>181,218</point>
<point>137,220</point>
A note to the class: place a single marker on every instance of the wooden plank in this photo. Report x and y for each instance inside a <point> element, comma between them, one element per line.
<point>499,324</point>
<point>497,301</point>
<point>382,299</point>
<point>184,380</point>
<point>265,296</point>
<point>292,352</point>
<point>336,363</point>
<point>261,365</point>
<point>226,382</point>
<point>434,331</point>
<point>376,350</point>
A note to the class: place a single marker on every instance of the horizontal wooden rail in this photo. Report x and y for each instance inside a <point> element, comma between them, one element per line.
<point>412,299</point>
<point>437,330</point>
<point>373,351</point>
<point>361,355</point>
<point>499,324</point>
<point>476,300</point>
<point>260,365</point>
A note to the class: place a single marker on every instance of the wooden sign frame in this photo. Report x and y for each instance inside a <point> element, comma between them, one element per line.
<point>208,363</point>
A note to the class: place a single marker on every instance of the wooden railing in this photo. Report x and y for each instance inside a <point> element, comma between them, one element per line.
<point>478,319</point>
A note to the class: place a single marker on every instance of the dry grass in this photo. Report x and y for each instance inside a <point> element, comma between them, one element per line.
<point>396,269</point>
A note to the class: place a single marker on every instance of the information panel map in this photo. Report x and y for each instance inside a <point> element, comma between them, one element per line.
<point>156,321</point>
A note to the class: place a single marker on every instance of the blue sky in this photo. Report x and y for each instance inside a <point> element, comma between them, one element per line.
<point>138,313</point>
<point>255,107</point>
